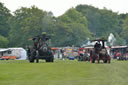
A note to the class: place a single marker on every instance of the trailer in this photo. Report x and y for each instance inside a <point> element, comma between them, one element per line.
<point>13,53</point>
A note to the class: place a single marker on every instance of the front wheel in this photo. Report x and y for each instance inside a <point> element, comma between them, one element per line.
<point>50,59</point>
<point>105,60</point>
<point>31,59</point>
<point>47,59</point>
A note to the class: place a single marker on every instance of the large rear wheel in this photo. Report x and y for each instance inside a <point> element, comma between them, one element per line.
<point>49,59</point>
<point>31,56</point>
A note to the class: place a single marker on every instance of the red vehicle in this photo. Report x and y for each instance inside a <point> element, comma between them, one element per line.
<point>99,52</point>
<point>120,52</point>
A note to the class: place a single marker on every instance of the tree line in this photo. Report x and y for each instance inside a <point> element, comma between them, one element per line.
<point>72,28</point>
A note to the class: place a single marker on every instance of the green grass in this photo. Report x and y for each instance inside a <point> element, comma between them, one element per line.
<point>20,72</point>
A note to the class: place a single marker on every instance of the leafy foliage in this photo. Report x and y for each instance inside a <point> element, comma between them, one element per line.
<point>4,16</point>
<point>102,22</point>
<point>3,42</point>
<point>71,28</point>
<point>124,32</point>
<point>26,23</point>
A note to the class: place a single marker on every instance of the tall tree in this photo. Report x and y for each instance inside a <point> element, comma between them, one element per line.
<point>72,28</point>
<point>3,42</point>
<point>26,23</point>
<point>124,32</point>
<point>100,21</point>
<point>4,16</point>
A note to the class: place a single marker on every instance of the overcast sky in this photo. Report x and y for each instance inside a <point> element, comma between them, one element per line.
<point>58,7</point>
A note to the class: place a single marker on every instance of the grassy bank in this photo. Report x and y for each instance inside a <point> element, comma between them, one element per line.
<point>20,72</point>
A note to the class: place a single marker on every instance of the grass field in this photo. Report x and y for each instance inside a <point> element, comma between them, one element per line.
<point>21,72</point>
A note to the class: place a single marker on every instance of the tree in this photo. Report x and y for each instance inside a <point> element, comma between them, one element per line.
<point>3,42</point>
<point>25,24</point>
<point>124,32</point>
<point>4,16</point>
<point>72,28</point>
<point>100,21</point>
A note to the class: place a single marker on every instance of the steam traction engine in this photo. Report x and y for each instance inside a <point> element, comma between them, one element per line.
<point>40,50</point>
<point>99,52</point>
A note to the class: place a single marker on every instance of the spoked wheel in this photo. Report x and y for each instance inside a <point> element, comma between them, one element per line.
<point>50,59</point>
<point>47,59</point>
<point>31,59</point>
<point>105,60</point>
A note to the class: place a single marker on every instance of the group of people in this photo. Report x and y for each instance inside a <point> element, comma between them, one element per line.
<point>42,37</point>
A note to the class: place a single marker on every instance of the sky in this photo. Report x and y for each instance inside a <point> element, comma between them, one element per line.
<point>59,7</point>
